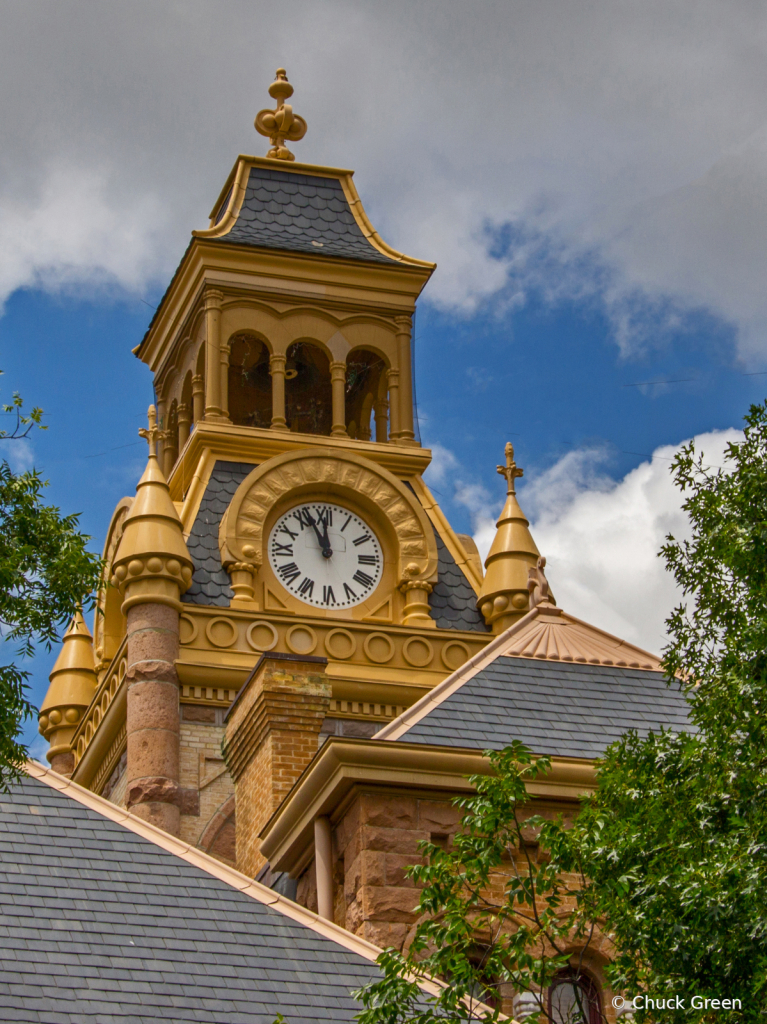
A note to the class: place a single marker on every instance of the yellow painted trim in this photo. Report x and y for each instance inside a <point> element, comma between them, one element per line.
<point>343,763</point>
<point>446,532</point>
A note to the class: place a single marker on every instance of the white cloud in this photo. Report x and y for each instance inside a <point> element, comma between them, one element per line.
<point>601,538</point>
<point>622,146</point>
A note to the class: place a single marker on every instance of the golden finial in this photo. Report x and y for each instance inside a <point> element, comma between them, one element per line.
<point>281,123</point>
<point>153,434</point>
<point>511,470</point>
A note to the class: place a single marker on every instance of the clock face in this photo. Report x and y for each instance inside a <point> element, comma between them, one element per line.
<point>325,555</point>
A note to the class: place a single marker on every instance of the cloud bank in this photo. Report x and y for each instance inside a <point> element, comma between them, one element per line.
<point>612,152</point>
<point>601,537</point>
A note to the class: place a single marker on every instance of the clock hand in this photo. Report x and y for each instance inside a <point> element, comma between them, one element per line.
<point>323,541</point>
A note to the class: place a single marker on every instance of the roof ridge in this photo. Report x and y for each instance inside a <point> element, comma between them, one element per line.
<point>204,861</point>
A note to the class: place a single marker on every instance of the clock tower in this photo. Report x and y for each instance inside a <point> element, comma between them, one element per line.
<point>282,553</point>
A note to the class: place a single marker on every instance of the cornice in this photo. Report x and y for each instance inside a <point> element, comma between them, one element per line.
<point>343,763</point>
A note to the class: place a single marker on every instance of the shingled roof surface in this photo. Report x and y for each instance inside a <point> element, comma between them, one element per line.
<point>300,213</point>
<point>100,924</point>
<point>453,601</point>
<point>210,581</point>
<point>553,707</point>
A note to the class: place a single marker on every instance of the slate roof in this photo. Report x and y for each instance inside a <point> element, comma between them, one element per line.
<point>453,601</point>
<point>98,923</point>
<point>300,213</point>
<point>553,707</point>
<point>210,582</point>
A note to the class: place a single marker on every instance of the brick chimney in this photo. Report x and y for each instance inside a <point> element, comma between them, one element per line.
<point>272,733</point>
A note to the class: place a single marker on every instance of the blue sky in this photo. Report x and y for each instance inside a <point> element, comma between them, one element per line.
<point>591,187</point>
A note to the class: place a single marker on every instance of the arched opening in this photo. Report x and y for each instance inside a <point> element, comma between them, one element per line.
<point>218,836</point>
<point>170,450</point>
<point>185,412</point>
<point>574,999</point>
<point>250,385</point>
<point>364,370</point>
<point>308,394</point>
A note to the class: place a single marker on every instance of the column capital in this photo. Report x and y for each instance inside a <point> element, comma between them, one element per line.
<point>393,375</point>
<point>213,298</point>
<point>403,323</point>
<point>337,370</point>
<point>277,360</point>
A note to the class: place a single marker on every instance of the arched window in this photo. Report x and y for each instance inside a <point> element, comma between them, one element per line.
<point>363,374</point>
<point>250,385</point>
<point>308,395</point>
<point>574,999</point>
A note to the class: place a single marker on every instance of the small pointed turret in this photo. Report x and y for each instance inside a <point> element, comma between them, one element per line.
<point>504,596</point>
<point>73,684</point>
<point>152,563</point>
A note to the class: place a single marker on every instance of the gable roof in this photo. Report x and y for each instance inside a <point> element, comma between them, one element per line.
<point>556,683</point>
<point>106,917</point>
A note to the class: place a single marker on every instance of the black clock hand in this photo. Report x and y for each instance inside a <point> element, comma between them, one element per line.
<point>323,541</point>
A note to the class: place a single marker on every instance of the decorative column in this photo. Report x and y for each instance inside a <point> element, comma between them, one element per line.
<point>162,423</point>
<point>338,385</point>
<point>277,370</point>
<point>73,684</point>
<point>184,425</point>
<point>224,381</point>
<point>152,568</point>
<point>406,433</point>
<point>394,420</point>
<point>381,413</point>
<point>323,866</point>
<point>198,398</point>
<point>170,435</point>
<point>417,611</point>
<point>213,300</point>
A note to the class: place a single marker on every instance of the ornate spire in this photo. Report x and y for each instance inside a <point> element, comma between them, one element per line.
<point>280,124</point>
<point>73,683</point>
<point>504,595</point>
<point>152,563</point>
<point>511,470</point>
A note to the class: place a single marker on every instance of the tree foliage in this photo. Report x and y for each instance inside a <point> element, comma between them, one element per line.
<point>670,850</point>
<point>45,574</point>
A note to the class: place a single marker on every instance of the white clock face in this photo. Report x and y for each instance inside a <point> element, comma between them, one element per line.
<point>325,555</point>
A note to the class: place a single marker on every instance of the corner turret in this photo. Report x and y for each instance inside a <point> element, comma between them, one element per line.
<point>73,683</point>
<point>504,596</point>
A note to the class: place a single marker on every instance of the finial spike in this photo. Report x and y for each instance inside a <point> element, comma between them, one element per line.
<point>511,470</point>
<point>153,434</point>
<point>280,124</point>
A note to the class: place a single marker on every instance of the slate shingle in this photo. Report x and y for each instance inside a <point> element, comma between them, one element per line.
<point>227,958</point>
<point>282,210</point>
<point>554,707</point>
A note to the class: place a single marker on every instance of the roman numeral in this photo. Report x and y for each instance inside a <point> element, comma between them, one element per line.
<point>325,516</point>
<point>350,595</point>
<point>367,559</point>
<point>307,587</point>
<point>361,540</point>
<point>304,517</point>
<point>283,549</point>
<point>289,532</point>
<point>328,597</point>
<point>289,572</point>
<point>362,578</point>
<point>346,524</point>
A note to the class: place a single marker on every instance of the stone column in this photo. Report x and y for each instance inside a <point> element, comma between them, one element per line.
<point>277,370</point>
<point>323,866</point>
<point>406,433</point>
<point>338,385</point>
<point>224,382</point>
<point>184,425</point>
<point>198,398</point>
<point>417,611</point>
<point>162,422</point>
<point>393,376</point>
<point>153,720</point>
<point>213,300</point>
<point>381,412</point>
<point>170,452</point>
<point>152,568</point>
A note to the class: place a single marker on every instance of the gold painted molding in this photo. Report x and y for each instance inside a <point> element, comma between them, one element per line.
<point>343,763</point>
<point>333,474</point>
